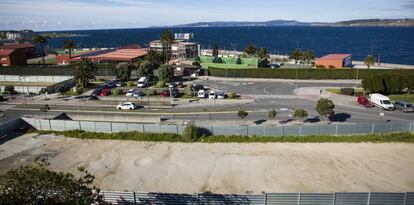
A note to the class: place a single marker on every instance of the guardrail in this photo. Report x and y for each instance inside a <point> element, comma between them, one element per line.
<point>337,198</point>
<point>288,130</point>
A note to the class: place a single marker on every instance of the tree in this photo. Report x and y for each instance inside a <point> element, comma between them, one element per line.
<point>325,108</point>
<point>146,69</point>
<point>300,114</point>
<point>263,53</point>
<point>409,84</point>
<point>250,49</point>
<point>84,72</point>
<point>272,114</point>
<point>296,54</point>
<point>308,56</point>
<point>154,57</point>
<point>215,52</point>
<point>167,39</point>
<point>165,73</point>
<point>393,84</point>
<point>45,109</point>
<point>41,41</point>
<point>197,59</point>
<point>238,61</point>
<point>217,60</point>
<point>37,184</point>
<point>123,71</point>
<point>242,114</point>
<point>191,133</point>
<point>369,60</point>
<point>70,45</point>
<point>62,89</point>
<point>9,89</point>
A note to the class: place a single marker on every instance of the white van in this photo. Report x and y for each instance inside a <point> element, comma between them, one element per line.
<point>142,82</point>
<point>212,95</point>
<point>201,94</point>
<point>381,101</point>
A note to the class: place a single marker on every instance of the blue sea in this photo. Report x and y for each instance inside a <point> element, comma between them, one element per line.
<point>393,44</point>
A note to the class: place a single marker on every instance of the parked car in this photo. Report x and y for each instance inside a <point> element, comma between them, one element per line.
<point>175,92</point>
<point>97,92</point>
<point>362,100</point>
<point>126,106</point>
<point>130,93</point>
<point>221,94</point>
<point>404,106</point>
<point>120,84</point>
<point>142,82</point>
<point>138,94</point>
<point>165,93</point>
<point>201,94</point>
<point>180,85</point>
<point>198,87</point>
<point>172,85</point>
<point>381,101</point>
<point>111,84</point>
<point>105,92</point>
<point>212,95</point>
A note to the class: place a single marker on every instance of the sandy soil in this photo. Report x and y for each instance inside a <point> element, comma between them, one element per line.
<point>222,168</point>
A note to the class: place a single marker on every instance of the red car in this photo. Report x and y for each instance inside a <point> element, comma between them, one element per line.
<point>105,92</point>
<point>362,100</point>
<point>165,93</point>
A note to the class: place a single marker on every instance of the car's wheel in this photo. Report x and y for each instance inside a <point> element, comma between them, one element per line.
<point>119,108</point>
<point>130,108</point>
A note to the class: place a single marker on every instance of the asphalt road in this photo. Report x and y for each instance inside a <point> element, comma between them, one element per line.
<point>266,95</point>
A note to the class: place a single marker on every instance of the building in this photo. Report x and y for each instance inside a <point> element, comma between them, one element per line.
<point>9,57</point>
<point>178,50</point>
<point>28,48</point>
<point>114,55</point>
<point>20,35</point>
<point>335,61</point>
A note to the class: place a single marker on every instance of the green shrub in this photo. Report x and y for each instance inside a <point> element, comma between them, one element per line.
<point>320,66</point>
<point>118,91</point>
<point>188,92</point>
<point>232,95</point>
<point>347,91</point>
<point>160,84</point>
<point>151,92</point>
<point>191,133</point>
<point>79,90</point>
<point>130,84</point>
<point>300,114</point>
<point>9,89</point>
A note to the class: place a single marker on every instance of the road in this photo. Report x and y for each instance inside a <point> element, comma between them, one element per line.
<point>263,96</point>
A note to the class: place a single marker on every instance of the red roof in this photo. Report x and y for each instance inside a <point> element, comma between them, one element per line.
<point>16,46</point>
<point>7,52</point>
<point>121,55</point>
<point>335,57</point>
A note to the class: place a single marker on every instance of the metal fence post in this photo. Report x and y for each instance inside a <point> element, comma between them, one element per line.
<point>212,129</point>
<point>264,131</point>
<point>176,127</point>
<point>410,126</point>
<point>299,198</point>
<point>373,127</point>
<point>135,199</point>
<point>80,126</point>
<point>50,126</point>
<point>247,130</point>
<point>369,198</point>
<point>143,128</point>
<point>110,123</point>
<point>300,130</point>
<point>283,130</point>
<point>94,124</point>
<point>336,129</point>
<point>334,198</point>
<point>392,126</point>
<point>265,198</point>
<point>64,125</point>
<point>405,198</point>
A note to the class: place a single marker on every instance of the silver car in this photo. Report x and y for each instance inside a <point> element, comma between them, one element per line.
<point>404,106</point>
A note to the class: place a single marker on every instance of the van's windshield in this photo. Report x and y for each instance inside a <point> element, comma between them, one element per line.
<point>408,105</point>
<point>386,102</point>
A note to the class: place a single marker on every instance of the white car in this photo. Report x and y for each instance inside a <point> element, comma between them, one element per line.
<point>201,94</point>
<point>212,95</point>
<point>126,106</point>
<point>221,95</point>
<point>130,93</point>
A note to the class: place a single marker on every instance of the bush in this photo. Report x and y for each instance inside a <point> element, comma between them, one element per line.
<point>320,66</point>
<point>160,84</point>
<point>151,92</point>
<point>232,95</point>
<point>130,84</point>
<point>347,91</point>
<point>385,83</point>
<point>191,133</point>
<point>242,114</point>
<point>300,114</point>
<point>9,89</point>
<point>188,92</point>
<point>79,90</point>
<point>118,92</point>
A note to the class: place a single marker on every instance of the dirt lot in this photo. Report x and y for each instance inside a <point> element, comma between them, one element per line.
<point>223,168</point>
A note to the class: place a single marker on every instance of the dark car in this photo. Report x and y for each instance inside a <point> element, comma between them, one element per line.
<point>97,92</point>
<point>180,85</point>
<point>110,85</point>
<point>196,88</point>
<point>404,106</point>
<point>105,92</point>
<point>362,100</point>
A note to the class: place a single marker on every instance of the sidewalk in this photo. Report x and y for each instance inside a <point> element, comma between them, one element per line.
<point>277,80</point>
<point>314,94</point>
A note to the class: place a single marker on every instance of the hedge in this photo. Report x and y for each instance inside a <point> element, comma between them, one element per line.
<point>311,73</point>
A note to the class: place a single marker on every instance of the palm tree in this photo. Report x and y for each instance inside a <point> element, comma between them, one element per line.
<point>41,40</point>
<point>369,60</point>
<point>297,54</point>
<point>70,45</point>
<point>167,39</point>
<point>308,56</point>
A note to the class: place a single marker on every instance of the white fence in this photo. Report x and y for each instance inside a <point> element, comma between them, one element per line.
<point>34,78</point>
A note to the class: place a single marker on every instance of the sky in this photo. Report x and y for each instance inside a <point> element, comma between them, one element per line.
<point>53,15</point>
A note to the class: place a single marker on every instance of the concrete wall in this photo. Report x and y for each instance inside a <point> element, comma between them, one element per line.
<point>126,117</point>
<point>35,79</point>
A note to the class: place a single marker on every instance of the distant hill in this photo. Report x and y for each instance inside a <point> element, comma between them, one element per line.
<point>359,22</point>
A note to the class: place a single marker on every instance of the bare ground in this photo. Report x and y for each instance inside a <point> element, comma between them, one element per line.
<point>222,168</point>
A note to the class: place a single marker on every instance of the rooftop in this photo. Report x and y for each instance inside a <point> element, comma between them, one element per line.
<point>121,55</point>
<point>4,52</point>
<point>335,57</point>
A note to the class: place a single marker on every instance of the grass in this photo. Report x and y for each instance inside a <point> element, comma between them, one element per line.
<point>402,97</point>
<point>165,137</point>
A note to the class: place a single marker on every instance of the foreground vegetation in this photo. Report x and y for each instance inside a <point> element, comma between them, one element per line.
<point>192,135</point>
